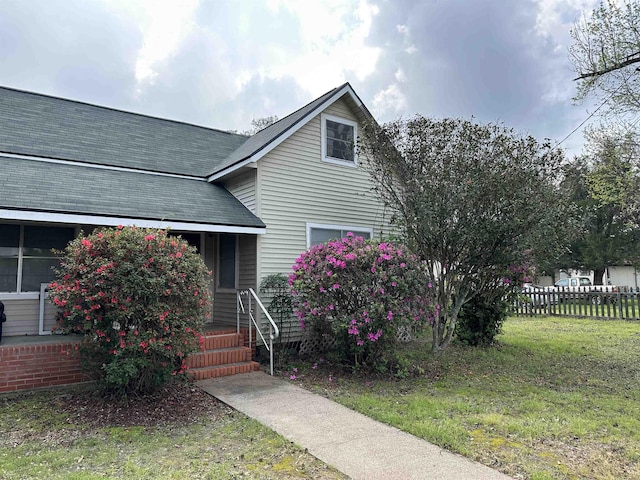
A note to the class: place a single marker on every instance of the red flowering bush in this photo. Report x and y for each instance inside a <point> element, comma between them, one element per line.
<point>140,298</point>
<point>362,293</point>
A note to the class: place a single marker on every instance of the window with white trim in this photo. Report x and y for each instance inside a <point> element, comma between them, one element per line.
<point>227,261</point>
<point>339,137</point>
<point>317,234</point>
<point>26,257</point>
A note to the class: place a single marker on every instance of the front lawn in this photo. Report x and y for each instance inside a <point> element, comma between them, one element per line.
<point>557,399</point>
<point>183,433</point>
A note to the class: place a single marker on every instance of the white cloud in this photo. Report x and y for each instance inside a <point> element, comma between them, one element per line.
<point>554,21</point>
<point>556,17</point>
<point>409,46</point>
<point>222,63</point>
<point>389,102</point>
<point>165,24</point>
<point>334,47</point>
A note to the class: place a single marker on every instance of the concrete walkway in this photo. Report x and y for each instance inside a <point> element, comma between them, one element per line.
<point>354,444</point>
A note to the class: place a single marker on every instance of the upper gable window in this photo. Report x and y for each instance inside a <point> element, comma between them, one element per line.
<point>339,137</point>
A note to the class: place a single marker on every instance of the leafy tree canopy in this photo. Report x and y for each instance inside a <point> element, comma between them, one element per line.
<point>603,184</point>
<point>614,177</point>
<point>475,201</point>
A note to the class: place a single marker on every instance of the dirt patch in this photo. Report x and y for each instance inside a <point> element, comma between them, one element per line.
<point>75,412</point>
<point>175,404</point>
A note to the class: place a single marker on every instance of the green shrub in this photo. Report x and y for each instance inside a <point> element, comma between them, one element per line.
<point>280,300</point>
<point>480,320</point>
<point>140,298</point>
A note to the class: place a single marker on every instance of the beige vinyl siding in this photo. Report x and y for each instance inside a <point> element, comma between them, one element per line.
<point>247,267</point>
<point>248,270</point>
<point>22,316</point>
<point>296,187</point>
<point>49,315</point>
<point>243,187</point>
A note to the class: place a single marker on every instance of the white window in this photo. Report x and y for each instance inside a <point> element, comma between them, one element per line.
<point>227,262</point>
<point>339,138</point>
<point>319,233</point>
<point>26,259</point>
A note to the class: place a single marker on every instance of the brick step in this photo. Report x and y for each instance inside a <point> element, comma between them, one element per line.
<point>221,356</point>
<point>223,370</point>
<point>215,341</point>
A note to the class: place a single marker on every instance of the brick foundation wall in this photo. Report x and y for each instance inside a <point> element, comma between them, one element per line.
<point>24,367</point>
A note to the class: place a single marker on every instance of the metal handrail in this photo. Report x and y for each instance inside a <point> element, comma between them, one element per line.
<point>274,331</point>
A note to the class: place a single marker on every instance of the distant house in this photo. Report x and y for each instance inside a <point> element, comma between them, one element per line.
<point>622,276</point>
<point>250,204</point>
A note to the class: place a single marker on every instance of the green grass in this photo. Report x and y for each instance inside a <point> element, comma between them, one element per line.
<point>39,442</point>
<point>558,399</point>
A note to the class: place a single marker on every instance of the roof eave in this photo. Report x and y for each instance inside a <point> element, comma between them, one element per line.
<point>230,169</point>
<point>111,221</point>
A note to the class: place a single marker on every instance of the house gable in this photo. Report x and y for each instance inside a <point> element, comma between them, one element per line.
<point>266,140</point>
<point>297,189</point>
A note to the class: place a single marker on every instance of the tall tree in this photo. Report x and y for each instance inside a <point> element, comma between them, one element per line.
<point>606,55</point>
<point>474,201</point>
<point>614,179</point>
<point>261,123</point>
<point>603,186</point>
<point>604,238</point>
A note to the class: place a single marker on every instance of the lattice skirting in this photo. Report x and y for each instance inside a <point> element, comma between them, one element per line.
<point>313,343</point>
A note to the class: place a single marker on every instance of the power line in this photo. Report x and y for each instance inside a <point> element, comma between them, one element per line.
<point>591,115</point>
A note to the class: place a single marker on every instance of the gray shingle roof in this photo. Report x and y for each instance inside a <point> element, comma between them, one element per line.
<point>76,189</point>
<point>264,137</point>
<point>44,126</point>
<point>36,125</point>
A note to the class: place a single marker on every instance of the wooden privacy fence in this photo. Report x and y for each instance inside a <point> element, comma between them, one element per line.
<point>620,303</point>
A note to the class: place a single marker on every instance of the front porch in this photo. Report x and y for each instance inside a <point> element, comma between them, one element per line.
<point>33,361</point>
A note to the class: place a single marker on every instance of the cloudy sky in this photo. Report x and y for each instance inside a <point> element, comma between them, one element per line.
<point>222,63</point>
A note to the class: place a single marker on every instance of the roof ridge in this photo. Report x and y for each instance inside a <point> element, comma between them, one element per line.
<point>118,110</point>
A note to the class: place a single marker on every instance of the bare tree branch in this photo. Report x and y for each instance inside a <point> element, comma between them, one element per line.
<point>618,66</point>
<point>604,54</point>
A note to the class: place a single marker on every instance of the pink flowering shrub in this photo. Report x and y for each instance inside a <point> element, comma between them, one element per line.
<point>140,299</point>
<point>361,292</point>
